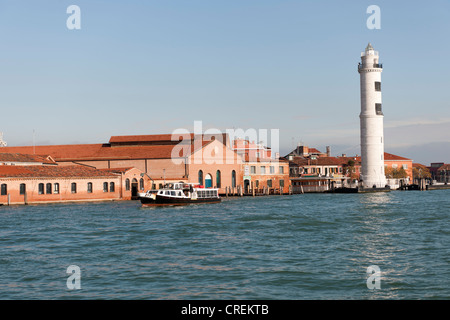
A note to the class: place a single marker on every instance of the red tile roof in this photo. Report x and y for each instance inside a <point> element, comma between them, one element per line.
<point>445,167</point>
<point>19,157</point>
<point>52,172</point>
<point>85,152</point>
<point>390,156</point>
<point>162,138</point>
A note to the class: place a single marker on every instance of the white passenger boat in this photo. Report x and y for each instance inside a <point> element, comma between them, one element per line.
<point>179,194</point>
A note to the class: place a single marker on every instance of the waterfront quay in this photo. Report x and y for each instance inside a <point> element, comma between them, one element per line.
<point>128,165</point>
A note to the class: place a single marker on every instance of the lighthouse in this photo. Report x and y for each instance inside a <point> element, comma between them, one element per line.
<point>371,120</point>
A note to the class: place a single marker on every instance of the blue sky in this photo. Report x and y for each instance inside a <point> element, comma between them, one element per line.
<point>149,67</point>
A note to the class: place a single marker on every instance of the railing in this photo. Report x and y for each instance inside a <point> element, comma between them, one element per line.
<point>375,65</point>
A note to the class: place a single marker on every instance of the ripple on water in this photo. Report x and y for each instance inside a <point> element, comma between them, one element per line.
<point>312,246</point>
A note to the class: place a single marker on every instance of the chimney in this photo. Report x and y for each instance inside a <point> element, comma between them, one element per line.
<point>328,151</point>
<point>305,150</point>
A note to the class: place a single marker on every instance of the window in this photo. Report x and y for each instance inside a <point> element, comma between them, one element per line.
<point>272,169</point>
<point>89,187</point>
<point>200,177</point>
<point>105,187</point>
<point>73,187</point>
<point>48,188</point>
<point>23,188</point>
<point>141,184</point>
<point>112,187</point>
<point>263,170</point>
<point>253,169</point>
<point>4,190</point>
<point>377,86</point>
<point>394,166</point>
<point>378,109</point>
<point>218,179</point>
<point>127,185</point>
<point>281,183</point>
<point>269,183</point>
<point>405,166</point>
<point>256,184</point>
<point>281,170</point>
<point>41,188</point>
<point>56,188</point>
<point>233,179</point>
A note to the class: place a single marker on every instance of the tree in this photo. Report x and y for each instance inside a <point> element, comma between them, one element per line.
<point>421,172</point>
<point>394,173</point>
<point>349,170</point>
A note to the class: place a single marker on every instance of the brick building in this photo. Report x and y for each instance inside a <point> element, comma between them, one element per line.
<point>204,159</point>
<point>24,184</point>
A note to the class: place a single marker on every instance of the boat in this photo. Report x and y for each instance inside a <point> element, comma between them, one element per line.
<point>179,194</point>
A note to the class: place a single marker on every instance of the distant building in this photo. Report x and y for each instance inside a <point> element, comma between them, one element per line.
<point>434,167</point>
<point>204,159</point>
<point>319,171</point>
<point>262,171</point>
<point>443,173</point>
<point>41,184</point>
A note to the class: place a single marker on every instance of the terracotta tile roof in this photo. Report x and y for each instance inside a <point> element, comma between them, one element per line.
<point>160,139</point>
<point>19,157</point>
<point>445,167</point>
<point>85,152</point>
<point>52,172</point>
<point>390,156</point>
<point>325,161</point>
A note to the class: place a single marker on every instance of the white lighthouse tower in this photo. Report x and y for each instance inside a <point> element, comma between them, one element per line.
<point>371,117</point>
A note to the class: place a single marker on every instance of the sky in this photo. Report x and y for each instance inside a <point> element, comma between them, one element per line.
<point>151,67</point>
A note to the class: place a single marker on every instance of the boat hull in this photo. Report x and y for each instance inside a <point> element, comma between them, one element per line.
<point>159,200</point>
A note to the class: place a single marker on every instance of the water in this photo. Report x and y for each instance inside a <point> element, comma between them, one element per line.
<point>312,246</point>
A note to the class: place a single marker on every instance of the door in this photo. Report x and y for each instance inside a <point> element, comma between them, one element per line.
<point>208,181</point>
<point>246,185</point>
<point>134,189</point>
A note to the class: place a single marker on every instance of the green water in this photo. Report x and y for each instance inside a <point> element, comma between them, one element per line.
<point>311,246</point>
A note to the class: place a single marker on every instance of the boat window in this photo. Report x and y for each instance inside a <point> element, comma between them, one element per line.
<point>160,192</point>
<point>179,193</point>
<point>172,193</point>
<point>167,193</point>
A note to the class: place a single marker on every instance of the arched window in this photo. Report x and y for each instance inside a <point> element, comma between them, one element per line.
<point>89,187</point>
<point>233,179</point>
<point>41,188</point>
<point>49,188</point>
<point>56,188</point>
<point>200,177</point>
<point>23,188</point>
<point>4,190</point>
<point>218,178</point>
<point>208,181</point>
<point>112,187</point>
<point>141,184</point>
<point>105,186</point>
<point>73,187</point>
<point>127,184</point>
